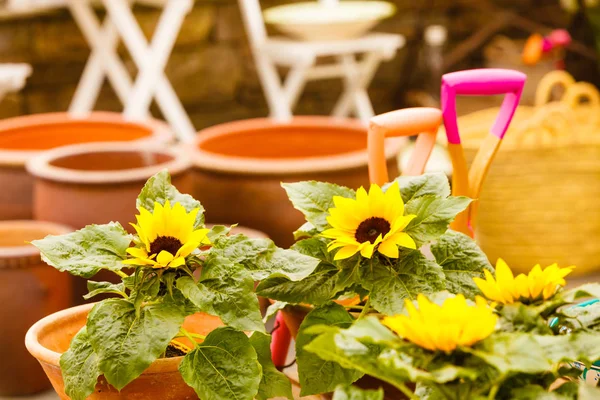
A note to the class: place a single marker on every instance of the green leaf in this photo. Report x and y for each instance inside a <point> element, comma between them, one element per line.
<point>126,343</point>
<point>582,317</point>
<point>159,189</point>
<point>433,215</point>
<point>314,199</point>
<point>307,230</point>
<point>379,361</point>
<point>579,346</point>
<point>390,285</point>
<point>317,288</point>
<point>318,375</point>
<point>412,187</point>
<point>519,317</point>
<point>218,231</point>
<point>263,259</point>
<point>536,392</point>
<point>87,251</point>
<point>226,290</point>
<point>273,309</point>
<point>354,393</point>
<point>79,367</point>
<point>273,382</point>
<point>428,392</point>
<point>96,288</point>
<point>224,366</point>
<point>370,329</point>
<point>514,352</point>
<point>462,260</point>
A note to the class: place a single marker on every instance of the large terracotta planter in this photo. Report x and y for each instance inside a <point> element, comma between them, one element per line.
<point>29,290</point>
<point>97,183</point>
<point>51,336</point>
<point>24,137</point>
<point>238,167</point>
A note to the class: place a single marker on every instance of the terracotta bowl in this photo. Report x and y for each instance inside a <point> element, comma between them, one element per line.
<point>29,290</point>
<point>25,137</point>
<point>48,338</point>
<point>239,167</point>
<point>96,183</point>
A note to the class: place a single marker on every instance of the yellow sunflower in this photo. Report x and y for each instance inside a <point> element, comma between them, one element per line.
<point>371,221</point>
<point>167,236</point>
<point>444,328</point>
<point>539,284</point>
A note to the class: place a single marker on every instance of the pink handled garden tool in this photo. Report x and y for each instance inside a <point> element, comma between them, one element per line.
<point>477,82</point>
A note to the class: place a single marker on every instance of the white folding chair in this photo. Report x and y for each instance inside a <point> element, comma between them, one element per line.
<point>301,57</point>
<point>150,59</point>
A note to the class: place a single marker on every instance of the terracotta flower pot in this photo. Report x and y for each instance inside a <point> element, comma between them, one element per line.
<point>48,338</point>
<point>24,137</point>
<point>238,167</point>
<point>97,183</point>
<point>29,290</point>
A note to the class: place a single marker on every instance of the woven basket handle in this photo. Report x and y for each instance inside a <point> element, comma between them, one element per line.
<point>480,82</point>
<point>422,121</point>
<point>543,93</point>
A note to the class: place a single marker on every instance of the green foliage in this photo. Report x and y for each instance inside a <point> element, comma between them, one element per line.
<point>96,288</point>
<point>320,375</point>
<point>127,342</point>
<point>80,367</point>
<point>434,214</point>
<point>314,199</point>
<point>405,278</point>
<point>413,187</point>
<point>87,251</point>
<point>124,335</point>
<point>511,365</point>
<point>462,260</point>
<point>158,189</point>
<point>263,259</point>
<point>226,290</point>
<point>224,366</point>
<point>354,393</point>
<point>273,382</point>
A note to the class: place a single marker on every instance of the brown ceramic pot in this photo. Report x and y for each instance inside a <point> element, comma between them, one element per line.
<point>29,290</point>
<point>24,137</point>
<point>97,183</point>
<point>238,167</point>
<point>51,336</point>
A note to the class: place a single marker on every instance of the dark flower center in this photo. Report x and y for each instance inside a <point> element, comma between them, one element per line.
<point>167,243</point>
<point>371,228</point>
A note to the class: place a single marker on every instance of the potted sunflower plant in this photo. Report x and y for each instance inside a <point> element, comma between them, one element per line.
<point>527,344</point>
<point>184,321</point>
<point>376,249</point>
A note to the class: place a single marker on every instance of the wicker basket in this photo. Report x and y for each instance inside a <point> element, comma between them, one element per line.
<point>541,200</point>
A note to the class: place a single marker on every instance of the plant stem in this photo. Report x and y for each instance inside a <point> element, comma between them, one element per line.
<point>493,391</point>
<point>191,336</point>
<point>356,307</point>
<point>406,391</point>
<point>121,274</point>
<point>365,309</point>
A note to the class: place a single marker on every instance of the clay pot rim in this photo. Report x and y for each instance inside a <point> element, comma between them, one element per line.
<point>19,256</point>
<point>284,166</point>
<point>160,130</point>
<point>47,356</point>
<point>40,166</point>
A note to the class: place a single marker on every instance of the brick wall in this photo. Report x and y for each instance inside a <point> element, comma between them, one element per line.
<point>211,67</point>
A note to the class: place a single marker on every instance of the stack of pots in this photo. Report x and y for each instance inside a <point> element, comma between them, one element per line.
<point>75,172</point>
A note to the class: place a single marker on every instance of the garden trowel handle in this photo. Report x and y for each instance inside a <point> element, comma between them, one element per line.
<point>422,121</point>
<point>481,82</point>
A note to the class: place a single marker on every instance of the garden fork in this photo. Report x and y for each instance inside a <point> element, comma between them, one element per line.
<point>477,82</point>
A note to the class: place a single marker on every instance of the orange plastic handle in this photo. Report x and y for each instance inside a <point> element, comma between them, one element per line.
<point>422,121</point>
